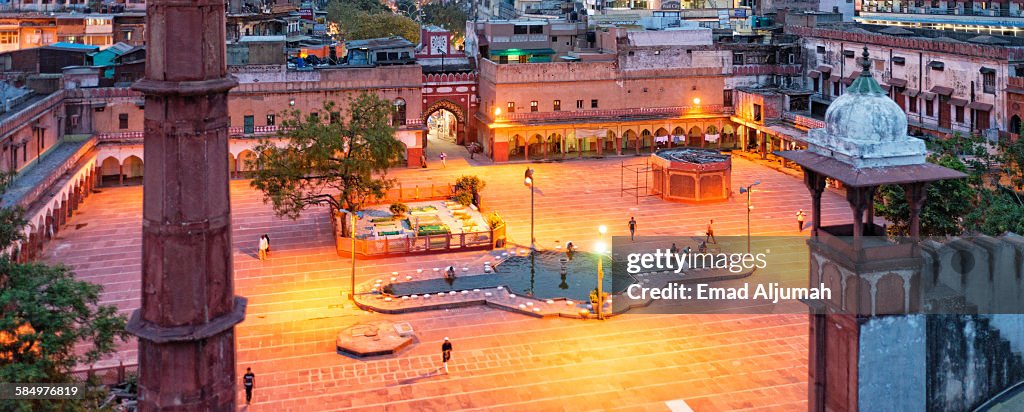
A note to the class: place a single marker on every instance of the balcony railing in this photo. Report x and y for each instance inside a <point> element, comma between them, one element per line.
<point>676,111</point>
<point>803,121</point>
<point>943,11</point>
<point>119,136</point>
<point>234,131</point>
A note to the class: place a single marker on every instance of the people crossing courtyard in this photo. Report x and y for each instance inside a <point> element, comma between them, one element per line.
<point>506,360</point>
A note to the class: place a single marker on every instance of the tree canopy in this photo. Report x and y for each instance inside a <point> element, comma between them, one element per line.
<point>450,16</point>
<point>369,19</point>
<point>372,26</point>
<point>341,161</point>
<point>45,313</point>
<point>988,201</point>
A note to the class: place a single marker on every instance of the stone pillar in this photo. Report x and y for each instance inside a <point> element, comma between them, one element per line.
<point>816,184</point>
<point>916,195</point>
<point>186,323</point>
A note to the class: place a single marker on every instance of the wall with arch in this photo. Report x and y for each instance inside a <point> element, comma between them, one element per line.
<point>47,216</point>
<point>611,138</point>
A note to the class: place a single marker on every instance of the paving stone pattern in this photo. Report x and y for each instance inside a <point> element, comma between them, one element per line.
<point>502,360</point>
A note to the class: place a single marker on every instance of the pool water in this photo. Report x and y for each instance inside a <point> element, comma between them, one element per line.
<point>538,275</point>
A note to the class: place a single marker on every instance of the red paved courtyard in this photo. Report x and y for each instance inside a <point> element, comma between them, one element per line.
<point>501,361</point>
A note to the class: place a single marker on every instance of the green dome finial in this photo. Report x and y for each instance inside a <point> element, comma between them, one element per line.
<point>865,62</point>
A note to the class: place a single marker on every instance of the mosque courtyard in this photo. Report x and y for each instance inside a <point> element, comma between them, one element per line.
<point>501,360</point>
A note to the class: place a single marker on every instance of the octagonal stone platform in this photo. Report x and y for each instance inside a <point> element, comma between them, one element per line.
<point>375,338</point>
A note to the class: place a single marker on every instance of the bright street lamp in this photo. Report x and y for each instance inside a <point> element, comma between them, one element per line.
<point>600,248</point>
<point>529,182</point>
<point>750,207</point>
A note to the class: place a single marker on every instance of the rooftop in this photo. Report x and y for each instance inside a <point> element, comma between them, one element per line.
<point>72,46</point>
<point>912,32</point>
<point>260,39</point>
<point>392,42</point>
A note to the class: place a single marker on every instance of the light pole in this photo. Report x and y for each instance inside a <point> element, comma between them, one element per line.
<point>599,304</point>
<point>750,206</point>
<point>352,229</point>
<point>529,182</point>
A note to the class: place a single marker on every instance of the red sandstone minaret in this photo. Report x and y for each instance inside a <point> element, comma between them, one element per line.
<point>186,324</point>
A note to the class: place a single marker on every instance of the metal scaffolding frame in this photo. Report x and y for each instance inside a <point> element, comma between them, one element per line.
<point>636,169</point>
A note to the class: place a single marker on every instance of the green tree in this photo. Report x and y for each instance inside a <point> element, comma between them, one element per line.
<point>45,313</point>
<point>342,164</point>
<point>949,201</point>
<point>379,25</point>
<point>988,201</point>
<point>449,16</point>
<point>347,14</point>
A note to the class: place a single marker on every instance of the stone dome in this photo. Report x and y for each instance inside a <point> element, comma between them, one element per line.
<point>864,113</point>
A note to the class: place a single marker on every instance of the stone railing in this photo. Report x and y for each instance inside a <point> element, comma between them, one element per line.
<point>676,111</point>
<point>119,136</point>
<point>803,121</point>
<point>19,118</point>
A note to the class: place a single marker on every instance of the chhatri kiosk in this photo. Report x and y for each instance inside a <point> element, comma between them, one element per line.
<point>864,145</point>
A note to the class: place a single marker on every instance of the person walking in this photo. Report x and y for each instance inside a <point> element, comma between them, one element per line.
<point>800,219</point>
<point>632,227</point>
<point>249,381</point>
<point>423,161</point>
<point>264,245</point>
<point>267,238</point>
<point>711,232</point>
<point>444,158</point>
<point>446,353</point>
<point>472,149</point>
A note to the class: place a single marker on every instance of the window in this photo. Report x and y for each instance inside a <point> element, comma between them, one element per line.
<point>988,81</point>
<point>579,104</point>
<point>315,116</point>
<point>928,107</point>
<point>593,103</point>
<point>727,98</point>
<point>248,124</point>
<point>737,59</point>
<point>959,114</point>
<point>270,120</point>
<point>533,106</point>
<point>122,121</point>
<point>519,29</point>
<point>757,112</point>
<point>398,114</point>
<point>792,58</point>
<point>511,107</point>
<point>537,29</point>
<point>913,104</point>
<point>821,49</point>
<point>557,105</point>
<point>899,61</point>
<point>8,37</point>
<point>335,117</point>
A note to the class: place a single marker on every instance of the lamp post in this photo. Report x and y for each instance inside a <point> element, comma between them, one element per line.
<point>750,207</point>
<point>529,182</point>
<point>599,304</point>
<point>352,229</point>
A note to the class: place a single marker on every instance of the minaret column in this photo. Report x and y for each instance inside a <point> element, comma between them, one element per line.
<point>186,323</point>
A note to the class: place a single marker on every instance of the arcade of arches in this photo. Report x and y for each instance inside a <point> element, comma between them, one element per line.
<point>445,121</point>
<point>536,143</point>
